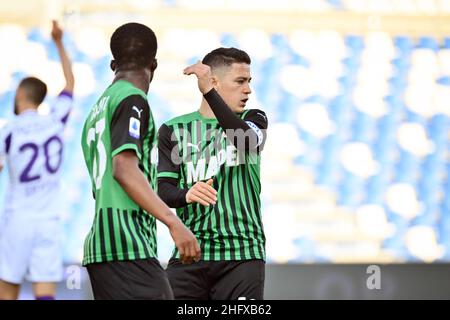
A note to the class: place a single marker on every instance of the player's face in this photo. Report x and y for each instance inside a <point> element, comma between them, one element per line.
<point>233,85</point>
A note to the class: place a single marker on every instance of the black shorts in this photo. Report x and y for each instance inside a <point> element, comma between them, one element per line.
<point>217,280</point>
<point>131,279</point>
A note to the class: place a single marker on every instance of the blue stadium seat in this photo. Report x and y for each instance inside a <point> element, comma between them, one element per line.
<point>229,40</point>
<point>310,157</point>
<point>347,82</point>
<point>329,168</point>
<point>17,76</point>
<point>437,130</point>
<point>170,3</point>
<point>280,42</point>
<point>414,117</point>
<point>351,65</point>
<point>36,35</point>
<point>384,145</point>
<point>407,168</point>
<point>340,111</point>
<point>355,43</point>
<point>101,69</point>
<point>428,43</point>
<point>393,100</point>
<point>7,104</point>
<point>403,43</point>
<point>398,84</point>
<point>446,43</point>
<point>297,59</point>
<point>376,188</point>
<point>336,4</point>
<point>352,191</point>
<point>445,80</point>
<point>401,64</point>
<point>307,251</point>
<point>396,243</point>
<point>363,127</point>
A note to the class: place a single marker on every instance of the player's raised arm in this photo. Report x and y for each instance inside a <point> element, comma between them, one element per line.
<point>247,135</point>
<point>66,64</point>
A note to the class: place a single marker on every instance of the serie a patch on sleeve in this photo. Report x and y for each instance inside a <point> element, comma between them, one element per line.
<point>257,130</point>
<point>134,128</point>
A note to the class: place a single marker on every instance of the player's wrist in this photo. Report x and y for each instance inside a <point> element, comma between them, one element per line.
<point>172,221</point>
<point>206,90</point>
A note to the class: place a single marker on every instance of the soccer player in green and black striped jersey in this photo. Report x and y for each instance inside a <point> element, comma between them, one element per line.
<point>118,138</point>
<point>209,169</point>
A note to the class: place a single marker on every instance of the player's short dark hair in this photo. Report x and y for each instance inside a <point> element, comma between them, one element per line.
<point>35,89</point>
<point>221,57</point>
<point>133,46</point>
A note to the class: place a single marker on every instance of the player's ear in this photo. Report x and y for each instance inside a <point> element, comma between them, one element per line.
<point>215,81</point>
<point>113,65</point>
<point>154,65</point>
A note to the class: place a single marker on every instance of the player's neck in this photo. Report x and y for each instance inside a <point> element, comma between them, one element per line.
<point>205,110</point>
<point>139,78</point>
<point>27,108</point>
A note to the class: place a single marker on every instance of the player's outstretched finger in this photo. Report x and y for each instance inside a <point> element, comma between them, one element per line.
<point>198,199</point>
<point>206,188</point>
<point>209,184</point>
<point>210,199</point>
<point>207,195</point>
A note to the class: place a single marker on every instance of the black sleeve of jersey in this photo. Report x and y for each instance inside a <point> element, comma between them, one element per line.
<point>168,155</point>
<point>169,169</point>
<point>259,118</point>
<point>169,192</point>
<point>229,120</point>
<point>129,125</point>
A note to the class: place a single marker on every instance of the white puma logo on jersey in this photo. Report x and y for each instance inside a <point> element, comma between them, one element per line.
<point>193,146</point>
<point>137,110</point>
<point>262,115</point>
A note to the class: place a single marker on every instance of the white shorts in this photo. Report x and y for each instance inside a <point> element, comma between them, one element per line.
<point>30,250</point>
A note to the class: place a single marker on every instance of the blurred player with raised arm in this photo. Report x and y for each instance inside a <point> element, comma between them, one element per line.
<point>32,147</point>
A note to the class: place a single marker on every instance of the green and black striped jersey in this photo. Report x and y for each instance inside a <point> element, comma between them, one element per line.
<point>121,120</point>
<point>193,148</point>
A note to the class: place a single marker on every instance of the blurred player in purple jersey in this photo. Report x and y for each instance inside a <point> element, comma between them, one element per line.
<point>31,145</point>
